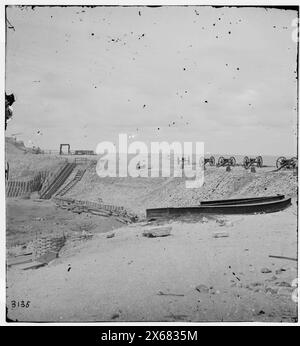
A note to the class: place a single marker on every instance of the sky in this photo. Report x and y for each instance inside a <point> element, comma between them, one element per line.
<point>223,76</point>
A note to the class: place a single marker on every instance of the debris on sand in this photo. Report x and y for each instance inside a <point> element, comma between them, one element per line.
<point>31,265</point>
<point>176,317</point>
<point>114,316</point>
<point>157,232</point>
<point>202,288</point>
<point>48,257</point>
<point>82,206</point>
<point>271,290</point>
<point>279,271</point>
<point>265,270</point>
<point>213,291</point>
<point>111,235</point>
<point>220,234</point>
<point>160,293</point>
<point>221,222</point>
<point>283,257</point>
<point>283,284</point>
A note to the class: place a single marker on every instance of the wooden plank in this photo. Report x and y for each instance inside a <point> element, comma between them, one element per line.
<point>157,232</point>
<point>284,257</point>
<point>19,260</point>
<point>31,265</point>
<point>47,257</point>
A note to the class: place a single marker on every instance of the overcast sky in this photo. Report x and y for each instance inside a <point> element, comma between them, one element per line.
<point>224,76</point>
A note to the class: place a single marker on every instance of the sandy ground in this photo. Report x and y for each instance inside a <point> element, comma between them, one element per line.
<point>28,219</point>
<point>129,277</point>
<point>126,277</point>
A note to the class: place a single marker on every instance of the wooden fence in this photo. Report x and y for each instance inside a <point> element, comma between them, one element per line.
<point>78,206</point>
<point>18,188</point>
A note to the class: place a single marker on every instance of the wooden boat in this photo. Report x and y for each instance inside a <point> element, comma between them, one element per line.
<point>238,206</point>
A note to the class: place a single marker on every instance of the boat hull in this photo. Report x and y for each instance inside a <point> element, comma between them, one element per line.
<point>226,209</point>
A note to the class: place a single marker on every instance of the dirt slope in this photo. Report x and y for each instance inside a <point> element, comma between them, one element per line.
<point>25,164</point>
<point>137,194</point>
<point>133,278</point>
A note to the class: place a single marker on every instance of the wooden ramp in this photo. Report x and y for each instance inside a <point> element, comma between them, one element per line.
<point>78,176</point>
<point>54,183</point>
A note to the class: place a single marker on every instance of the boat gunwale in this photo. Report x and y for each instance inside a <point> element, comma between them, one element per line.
<point>238,201</point>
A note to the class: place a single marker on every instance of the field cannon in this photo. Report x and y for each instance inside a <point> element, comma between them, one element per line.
<point>9,100</point>
<point>210,160</point>
<point>287,163</point>
<point>248,162</point>
<point>222,161</point>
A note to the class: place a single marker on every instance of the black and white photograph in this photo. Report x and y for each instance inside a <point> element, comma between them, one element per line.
<point>150,163</point>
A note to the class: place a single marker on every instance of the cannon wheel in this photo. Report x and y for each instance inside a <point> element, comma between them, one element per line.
<point>232,161</point>
<point>221,161</point>
<point>212,161</point>
<point>279,161</point>
<point>259,160</point>
<point>294,161</point>
<point>246,161</point>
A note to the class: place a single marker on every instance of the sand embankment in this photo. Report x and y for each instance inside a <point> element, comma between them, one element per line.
<point>133,278</point>
<point>137,194</point>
